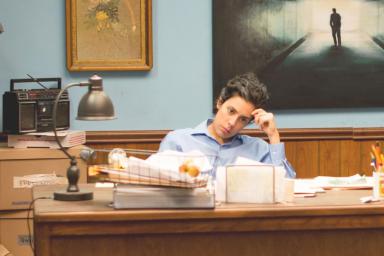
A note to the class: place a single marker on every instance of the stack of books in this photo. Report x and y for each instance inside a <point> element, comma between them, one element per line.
<point>129,196</point>
<point>68,138</point>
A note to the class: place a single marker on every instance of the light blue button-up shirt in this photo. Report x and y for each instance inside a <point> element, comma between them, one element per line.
<point>198,138</point>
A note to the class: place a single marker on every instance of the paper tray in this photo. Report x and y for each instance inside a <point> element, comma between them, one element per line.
<point>126,177</point>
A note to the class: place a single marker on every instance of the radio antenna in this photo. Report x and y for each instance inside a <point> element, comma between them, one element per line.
<point>37,81</point>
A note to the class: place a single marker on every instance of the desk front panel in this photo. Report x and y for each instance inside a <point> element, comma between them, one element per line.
<point>334,223</point>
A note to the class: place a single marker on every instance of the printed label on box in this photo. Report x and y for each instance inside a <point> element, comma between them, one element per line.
<point>29,181</point>
<point>21,202</point>
<point>24,240</point>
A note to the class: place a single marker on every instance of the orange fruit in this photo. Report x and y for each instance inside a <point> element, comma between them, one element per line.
<point>193,170</point>
<point>183,168</point>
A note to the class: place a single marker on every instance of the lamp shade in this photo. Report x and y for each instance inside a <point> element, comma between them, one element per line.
<point>95,104</point>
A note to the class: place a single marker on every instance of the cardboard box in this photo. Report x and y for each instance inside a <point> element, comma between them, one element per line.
<point>14,234</point>
<point>46,139</point>
<point>17,164</point>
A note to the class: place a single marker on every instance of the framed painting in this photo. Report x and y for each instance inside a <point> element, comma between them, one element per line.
<point>109,35</point>
<point>290,45</point>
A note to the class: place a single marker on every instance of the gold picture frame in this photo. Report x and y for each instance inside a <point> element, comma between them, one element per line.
<point>109,35</point>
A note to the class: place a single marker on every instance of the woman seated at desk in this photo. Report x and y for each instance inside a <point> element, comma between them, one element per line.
<point>239,103</point>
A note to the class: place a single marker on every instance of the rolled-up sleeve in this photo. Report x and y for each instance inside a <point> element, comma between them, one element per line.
<point>277,154</point>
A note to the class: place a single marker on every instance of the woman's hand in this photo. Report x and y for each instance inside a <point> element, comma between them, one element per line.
<point>266,122</point>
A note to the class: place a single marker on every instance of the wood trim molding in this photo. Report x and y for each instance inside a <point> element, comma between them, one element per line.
<point>368,133</point>
<point>287,134</point>
<point>144,136</point>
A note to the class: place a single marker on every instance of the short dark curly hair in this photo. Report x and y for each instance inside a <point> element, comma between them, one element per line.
<point>248,87</point>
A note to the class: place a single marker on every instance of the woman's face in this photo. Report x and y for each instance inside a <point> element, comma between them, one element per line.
<point>231,117</point>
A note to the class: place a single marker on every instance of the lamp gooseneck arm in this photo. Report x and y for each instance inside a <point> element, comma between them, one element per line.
<point>54,114</point>
<point>73,170</point>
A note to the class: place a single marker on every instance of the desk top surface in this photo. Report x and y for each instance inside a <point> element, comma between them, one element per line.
<point>330,203</point>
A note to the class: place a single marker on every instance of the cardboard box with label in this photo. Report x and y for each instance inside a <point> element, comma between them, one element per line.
<point>20,169</point>
<point>14,234</point>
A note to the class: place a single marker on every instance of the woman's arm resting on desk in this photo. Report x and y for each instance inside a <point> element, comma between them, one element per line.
<point>277,153</point>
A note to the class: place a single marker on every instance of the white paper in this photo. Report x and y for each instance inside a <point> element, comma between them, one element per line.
<point>307,186</point>
<point>162,167</point>
<point>354,181</point>
<point>28,181</point>
<point>171,160</point>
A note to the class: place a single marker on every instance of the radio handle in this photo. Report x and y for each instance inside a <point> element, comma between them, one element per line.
<point>29,80</point>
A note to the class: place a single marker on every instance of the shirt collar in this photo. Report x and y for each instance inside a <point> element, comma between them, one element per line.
<point>202,129</point>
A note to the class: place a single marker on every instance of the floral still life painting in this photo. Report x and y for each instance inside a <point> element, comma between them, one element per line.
<point>103,15</point>
<point>109,35</point>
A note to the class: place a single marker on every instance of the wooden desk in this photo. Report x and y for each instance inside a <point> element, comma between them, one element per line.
<point>334,223</point>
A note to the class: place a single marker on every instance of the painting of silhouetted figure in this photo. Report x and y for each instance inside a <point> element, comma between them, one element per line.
<point>335,22</point>
<point>289,44</point>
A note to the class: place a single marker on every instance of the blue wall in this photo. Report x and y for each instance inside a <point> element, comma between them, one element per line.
<point>176,93</point>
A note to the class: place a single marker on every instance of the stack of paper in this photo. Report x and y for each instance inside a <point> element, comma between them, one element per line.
<point>352,182</point>
<point>306,188</point>
<point>161,169</point>
<point>67,138</point>
<point>127,196</point>
<point>309,187</point>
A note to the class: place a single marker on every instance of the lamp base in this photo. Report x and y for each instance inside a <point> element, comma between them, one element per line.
<point>72,196</point>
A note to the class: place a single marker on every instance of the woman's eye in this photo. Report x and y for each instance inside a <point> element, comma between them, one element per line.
<point>244,120</point>
<point>231,111</point>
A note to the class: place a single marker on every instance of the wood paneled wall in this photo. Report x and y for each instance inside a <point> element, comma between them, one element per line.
<point>312,152</point>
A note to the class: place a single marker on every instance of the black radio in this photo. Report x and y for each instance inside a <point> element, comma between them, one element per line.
<point>30,110</point>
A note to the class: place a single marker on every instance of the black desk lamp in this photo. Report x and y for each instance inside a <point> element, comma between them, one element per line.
<point>94,105</point>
